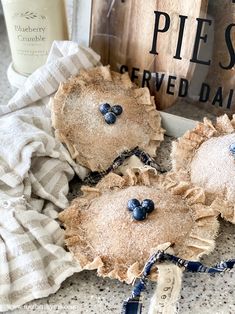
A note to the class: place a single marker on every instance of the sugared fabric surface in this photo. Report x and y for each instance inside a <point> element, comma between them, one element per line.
<point>204,156</point>
<point>102,234</point>
<point>79,123</point>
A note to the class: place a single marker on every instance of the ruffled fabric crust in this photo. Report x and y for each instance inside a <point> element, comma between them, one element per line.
<point>184,150</point>
<point>200,240</point>
<point>96,78</point>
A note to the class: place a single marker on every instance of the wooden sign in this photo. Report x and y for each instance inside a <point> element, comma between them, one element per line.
<point>221,73</point>
<point>157,42</point>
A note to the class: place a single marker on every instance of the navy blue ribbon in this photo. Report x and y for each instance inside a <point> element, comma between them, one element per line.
<point>133,305</point>
<point>96,176</point>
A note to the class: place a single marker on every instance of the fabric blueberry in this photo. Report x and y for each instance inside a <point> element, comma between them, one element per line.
<point>117,110</point>
<point>148,205</point>
<point>110,118</point>
<point>104,108</point>
<point>139,213</point>
<point>232,148</point>
<point>110,113</point>
<point>132,204</point>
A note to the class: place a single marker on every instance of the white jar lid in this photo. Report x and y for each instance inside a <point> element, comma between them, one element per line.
<point>16,79</point>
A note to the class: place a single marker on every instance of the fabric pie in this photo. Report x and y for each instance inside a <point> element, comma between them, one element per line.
<point>102,235</point>
<point>205,156</point>
<point>79,124</point>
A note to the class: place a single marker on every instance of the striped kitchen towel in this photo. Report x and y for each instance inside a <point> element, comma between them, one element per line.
<point>35,169</point>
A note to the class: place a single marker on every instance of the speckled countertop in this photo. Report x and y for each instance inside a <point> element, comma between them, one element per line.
<point>85,293</point>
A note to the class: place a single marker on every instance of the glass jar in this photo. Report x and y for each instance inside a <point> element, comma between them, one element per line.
<point>32,27</point>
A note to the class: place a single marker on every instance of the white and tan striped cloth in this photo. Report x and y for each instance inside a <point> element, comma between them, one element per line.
<point>34,173</point>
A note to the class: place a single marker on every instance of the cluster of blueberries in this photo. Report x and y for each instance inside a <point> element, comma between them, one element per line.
<point>232,149</point>
<point>140,210</point>
<point>110,113</point>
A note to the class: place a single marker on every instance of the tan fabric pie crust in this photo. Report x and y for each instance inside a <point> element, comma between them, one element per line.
<point>78,123</point>
<point>102,235</point>
<point>202,157</point>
